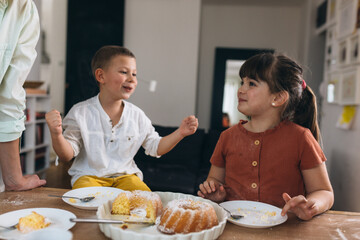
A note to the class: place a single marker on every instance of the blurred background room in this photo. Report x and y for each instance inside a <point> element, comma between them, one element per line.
<point>188,56</point>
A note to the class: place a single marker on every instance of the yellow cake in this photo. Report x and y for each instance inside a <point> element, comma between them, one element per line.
<point>136,203</point>
<point>31,222</point>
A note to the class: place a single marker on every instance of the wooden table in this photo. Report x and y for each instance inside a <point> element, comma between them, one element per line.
<point>330,225</point>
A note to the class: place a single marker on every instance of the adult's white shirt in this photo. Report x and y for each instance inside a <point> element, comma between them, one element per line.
<point>19,33</point>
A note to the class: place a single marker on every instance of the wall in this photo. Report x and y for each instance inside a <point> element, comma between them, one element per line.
<point>341,148</point>
<point>54,21</point>
<point>164,36</point>
<point>34,74</point>
<point>244,24</point>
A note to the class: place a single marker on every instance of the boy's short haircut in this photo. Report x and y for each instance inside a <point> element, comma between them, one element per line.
<point>104,55</point>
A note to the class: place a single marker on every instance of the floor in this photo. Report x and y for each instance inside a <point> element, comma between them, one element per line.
<point>57,176</point>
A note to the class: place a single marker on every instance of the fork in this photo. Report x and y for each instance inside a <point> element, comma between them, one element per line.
<point>84,199</point>
<point>12,227</point>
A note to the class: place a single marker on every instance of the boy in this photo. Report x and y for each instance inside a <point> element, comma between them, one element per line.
<point>105,132</point>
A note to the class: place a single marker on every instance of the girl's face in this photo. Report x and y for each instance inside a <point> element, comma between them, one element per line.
<point>119,78</point>
<point>254,97</point>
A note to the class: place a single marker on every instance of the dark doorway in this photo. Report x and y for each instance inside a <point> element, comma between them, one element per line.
<point>221,56</point>
<point>91,25</point>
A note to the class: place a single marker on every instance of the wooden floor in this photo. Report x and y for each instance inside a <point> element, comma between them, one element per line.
<point>57,176</point>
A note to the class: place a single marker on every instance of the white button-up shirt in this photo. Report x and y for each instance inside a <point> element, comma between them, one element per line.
<point>19,33</point>
<point>103,150</point>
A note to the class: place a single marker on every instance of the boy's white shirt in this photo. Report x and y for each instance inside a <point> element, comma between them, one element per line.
<point>102,150</point>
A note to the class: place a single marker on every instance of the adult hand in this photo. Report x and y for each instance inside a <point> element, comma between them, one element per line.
<point>303,208</point>
<point>212,190</point>
<point>53,119</point>
<point>26,182</point>
<point>188,126</point>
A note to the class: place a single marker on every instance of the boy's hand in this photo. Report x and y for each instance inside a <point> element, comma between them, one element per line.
<point>303,208</point>
<point>212,190</point>
<point>53,119</point>
<point>188,126</point>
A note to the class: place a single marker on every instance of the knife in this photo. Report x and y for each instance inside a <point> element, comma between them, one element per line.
<point>111,221</point>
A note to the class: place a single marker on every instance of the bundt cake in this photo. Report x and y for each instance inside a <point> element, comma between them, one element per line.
<point>31,222</point>
<point>186,215</point>
<point>141,203</point>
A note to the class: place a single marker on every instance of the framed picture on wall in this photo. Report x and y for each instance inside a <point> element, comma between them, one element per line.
<point>354,48</point>
<point>343,51</point>
<point>331,52</point>
<point>331,11</point>
<point>347,17</point>
<point>333,87</point>
<point>350,86</point>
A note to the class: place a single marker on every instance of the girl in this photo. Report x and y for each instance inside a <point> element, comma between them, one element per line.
<point>274,157</point>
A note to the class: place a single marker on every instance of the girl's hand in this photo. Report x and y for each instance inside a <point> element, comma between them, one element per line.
<point>188,126</point>
<point>303,208</point>
<point>212,190</point>
<point>53,119</point>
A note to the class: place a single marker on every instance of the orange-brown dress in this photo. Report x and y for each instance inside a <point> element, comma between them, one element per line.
<point>186,216</point>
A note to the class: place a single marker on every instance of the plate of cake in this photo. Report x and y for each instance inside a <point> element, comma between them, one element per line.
<point>33,219</point>
<point>101,194</point>
<point>174,216</point>
<point>256,214</point>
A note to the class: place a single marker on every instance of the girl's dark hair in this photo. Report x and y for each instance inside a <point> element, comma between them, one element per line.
<point>283,74</point>
<point>104,55</point>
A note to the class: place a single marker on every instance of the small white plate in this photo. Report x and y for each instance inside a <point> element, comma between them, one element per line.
<point>101,194</point>
<point>59,219</point>
<point>256,214</point>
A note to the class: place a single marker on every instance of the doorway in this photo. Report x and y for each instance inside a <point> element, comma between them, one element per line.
<point>91,25</point>
<point>226,82</point>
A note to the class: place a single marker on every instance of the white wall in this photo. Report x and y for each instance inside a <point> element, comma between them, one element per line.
<point>34,74</point>
<point>54,22</point>
<point>164,36</point>
<point>341,147</point>
<point>245,24</point>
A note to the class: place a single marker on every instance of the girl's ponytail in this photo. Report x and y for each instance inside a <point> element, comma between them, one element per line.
<point>306,112</point>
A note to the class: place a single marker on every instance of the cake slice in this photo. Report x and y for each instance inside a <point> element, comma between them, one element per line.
<point>31,222</point>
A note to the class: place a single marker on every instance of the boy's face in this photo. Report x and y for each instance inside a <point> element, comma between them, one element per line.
<point>118,80</point>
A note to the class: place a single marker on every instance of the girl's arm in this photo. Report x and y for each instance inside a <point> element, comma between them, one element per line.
<point>213,188</point>
<point>319,194</point>
<point>61,146</point>
<point>188,126</point>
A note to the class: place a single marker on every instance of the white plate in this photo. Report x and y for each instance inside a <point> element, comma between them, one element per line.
<point>146,232</point>
<point>59,219</point>
<point>256,214</point>
<point>49,234</point>
<point>101,194</point>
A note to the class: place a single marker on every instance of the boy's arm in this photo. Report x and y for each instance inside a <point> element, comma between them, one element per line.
<point>61,146</point>
<point>188,126</point>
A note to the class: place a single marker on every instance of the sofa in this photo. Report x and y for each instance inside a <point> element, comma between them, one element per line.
<point>184,167</point>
